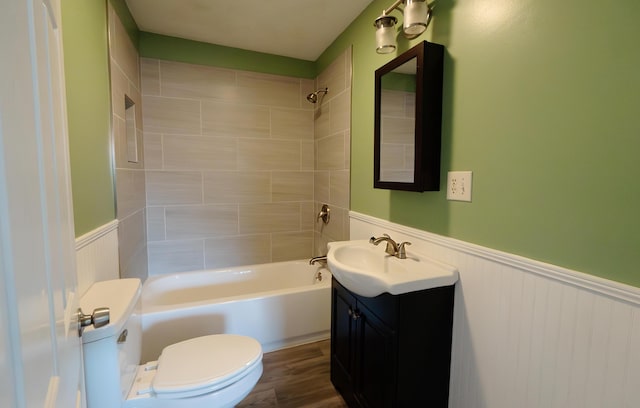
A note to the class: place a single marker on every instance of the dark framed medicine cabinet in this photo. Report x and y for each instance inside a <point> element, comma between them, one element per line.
<point>408,117</point>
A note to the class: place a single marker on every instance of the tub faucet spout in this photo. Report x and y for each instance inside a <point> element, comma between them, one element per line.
<point>321,259</point>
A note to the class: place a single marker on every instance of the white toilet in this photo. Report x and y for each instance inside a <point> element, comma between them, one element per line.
<point>210,371</point>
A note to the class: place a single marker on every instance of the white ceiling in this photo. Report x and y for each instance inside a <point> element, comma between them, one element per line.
<point>293,28</point>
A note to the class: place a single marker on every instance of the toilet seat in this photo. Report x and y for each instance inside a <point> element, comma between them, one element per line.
<point>204,364</point>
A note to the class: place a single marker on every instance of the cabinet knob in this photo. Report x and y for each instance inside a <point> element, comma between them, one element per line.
<point>355,314</point>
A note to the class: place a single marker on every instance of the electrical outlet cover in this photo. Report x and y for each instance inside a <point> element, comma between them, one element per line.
<point>459,185</point>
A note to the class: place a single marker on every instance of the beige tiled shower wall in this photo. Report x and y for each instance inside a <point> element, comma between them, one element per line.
<point>332,136</point>
<point>230,164</point>
<point>130,175</point>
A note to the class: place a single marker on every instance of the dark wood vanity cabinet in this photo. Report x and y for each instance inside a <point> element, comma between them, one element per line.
<point>392,350</point>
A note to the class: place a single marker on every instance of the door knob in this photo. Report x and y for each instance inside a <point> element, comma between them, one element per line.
<point>99,317</point>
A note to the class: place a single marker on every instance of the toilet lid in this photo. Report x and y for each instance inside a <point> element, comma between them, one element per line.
<point>204,363</point>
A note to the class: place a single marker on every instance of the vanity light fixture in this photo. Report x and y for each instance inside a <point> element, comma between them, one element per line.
<point>417,15</point>
<point>385,34</point>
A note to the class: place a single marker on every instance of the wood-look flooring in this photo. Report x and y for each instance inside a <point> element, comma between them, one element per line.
<point>294,378</point>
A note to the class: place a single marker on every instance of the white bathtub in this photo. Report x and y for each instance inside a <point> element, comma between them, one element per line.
<point>279,304</point>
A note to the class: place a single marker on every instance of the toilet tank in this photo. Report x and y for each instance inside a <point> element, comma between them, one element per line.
<point>112,353</point>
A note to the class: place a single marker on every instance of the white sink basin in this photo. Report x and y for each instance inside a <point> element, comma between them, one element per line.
<point>368,270</point>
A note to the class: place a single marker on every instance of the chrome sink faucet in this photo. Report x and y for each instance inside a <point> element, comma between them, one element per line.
<point>393,248</point>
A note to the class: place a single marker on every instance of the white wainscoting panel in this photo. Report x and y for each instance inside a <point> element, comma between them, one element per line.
<point>529,334</point>
<point>97,256</point>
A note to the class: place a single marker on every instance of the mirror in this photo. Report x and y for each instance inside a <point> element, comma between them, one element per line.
<point>408,115</point>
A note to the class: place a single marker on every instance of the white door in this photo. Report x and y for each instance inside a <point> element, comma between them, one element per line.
<point>40,351</point>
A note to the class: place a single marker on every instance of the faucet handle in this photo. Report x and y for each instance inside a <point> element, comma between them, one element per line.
<point>402,253</point>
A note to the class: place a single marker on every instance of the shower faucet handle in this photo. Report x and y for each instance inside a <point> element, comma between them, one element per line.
<point>324,214</point>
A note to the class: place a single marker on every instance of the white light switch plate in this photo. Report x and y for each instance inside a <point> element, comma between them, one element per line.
<point>459,185</point>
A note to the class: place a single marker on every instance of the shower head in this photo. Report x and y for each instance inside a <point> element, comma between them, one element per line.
<point>313,96</point>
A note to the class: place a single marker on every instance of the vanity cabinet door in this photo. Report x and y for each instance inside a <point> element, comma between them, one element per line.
<point>343,332</point>
<point>363,362</point>
<point>392,351</point>
<point>376,361</point>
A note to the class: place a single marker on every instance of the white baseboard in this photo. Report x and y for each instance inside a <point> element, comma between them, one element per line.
<point>96,234</point>
<point>97,256</point>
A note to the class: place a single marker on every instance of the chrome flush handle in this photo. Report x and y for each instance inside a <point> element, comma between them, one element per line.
<point>100,317</point>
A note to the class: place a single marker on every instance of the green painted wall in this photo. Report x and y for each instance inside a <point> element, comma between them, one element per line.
<point>542,103</point>
<point>84,30</point>
<point>194,52</point>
